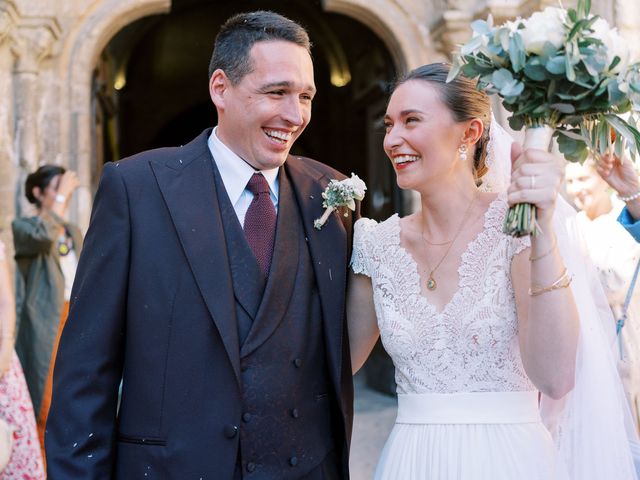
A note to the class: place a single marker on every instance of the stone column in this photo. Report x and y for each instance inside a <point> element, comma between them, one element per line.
<point>34,40</point>
<point>8,162</point>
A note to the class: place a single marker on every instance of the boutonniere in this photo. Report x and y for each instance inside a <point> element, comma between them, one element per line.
<point>341,193</point>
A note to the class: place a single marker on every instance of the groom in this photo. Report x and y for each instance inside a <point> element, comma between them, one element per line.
<point>205,288</point>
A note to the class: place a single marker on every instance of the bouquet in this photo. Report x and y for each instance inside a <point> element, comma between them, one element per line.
<point>341,193</point>
<point>563,74</point>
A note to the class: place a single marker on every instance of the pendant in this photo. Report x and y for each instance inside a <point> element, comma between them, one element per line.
<point>431,284</point>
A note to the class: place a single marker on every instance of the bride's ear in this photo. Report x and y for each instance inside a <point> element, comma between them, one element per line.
<point>473,132</point>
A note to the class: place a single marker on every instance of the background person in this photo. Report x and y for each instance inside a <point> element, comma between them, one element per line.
<point>615,255</point>
<point>623,178</point>
<point>47,248</point>
<point>25,461</point>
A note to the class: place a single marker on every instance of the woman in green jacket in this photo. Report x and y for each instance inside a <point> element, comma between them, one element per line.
<point>47,250</point>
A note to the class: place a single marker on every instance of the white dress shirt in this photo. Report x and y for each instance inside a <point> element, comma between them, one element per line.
<point>236,173</point>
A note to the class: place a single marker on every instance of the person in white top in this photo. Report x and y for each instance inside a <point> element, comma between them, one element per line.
<point>475,321</point>
<point>615,254</point>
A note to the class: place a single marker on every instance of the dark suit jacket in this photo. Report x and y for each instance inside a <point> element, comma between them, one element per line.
<point>153,303</point>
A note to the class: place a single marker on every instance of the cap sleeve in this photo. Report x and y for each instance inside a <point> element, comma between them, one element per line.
<point>362,238</point>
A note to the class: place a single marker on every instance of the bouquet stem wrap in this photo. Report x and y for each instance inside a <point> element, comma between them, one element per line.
<point>521,218</point>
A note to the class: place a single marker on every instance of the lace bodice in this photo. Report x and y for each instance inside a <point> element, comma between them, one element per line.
<point>472,345</point>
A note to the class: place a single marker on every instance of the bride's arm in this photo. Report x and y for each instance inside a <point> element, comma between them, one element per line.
<point>361,318</point>
<point>548,321</point>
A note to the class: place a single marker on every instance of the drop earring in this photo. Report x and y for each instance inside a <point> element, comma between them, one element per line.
<point>462,152</point>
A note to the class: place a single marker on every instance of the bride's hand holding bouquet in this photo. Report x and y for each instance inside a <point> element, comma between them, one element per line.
<point>536,179</point>
<point>562,73</point>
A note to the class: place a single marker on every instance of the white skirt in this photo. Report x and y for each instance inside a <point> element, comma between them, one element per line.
<point>470,436</point>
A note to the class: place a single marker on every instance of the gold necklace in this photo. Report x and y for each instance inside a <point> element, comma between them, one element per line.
<point>431,282</point>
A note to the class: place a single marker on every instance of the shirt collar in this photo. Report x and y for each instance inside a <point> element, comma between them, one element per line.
<point>235,172</point>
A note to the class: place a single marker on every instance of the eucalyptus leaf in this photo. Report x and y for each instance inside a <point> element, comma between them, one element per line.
<point>471,45</point>
<point>556,65</point>
<point>535,72</point>
<point>573,135</point>
<point>516,123</point>
<point>517,53</point>
<point>502,77</point>
<point>480,27</point>
<point>563,107</point>
<point>456,65</point>
<point>512,89</point>
<point>614,93</point>
<point>618,147</point>
<point>571,73</point>
<point>603,137</point>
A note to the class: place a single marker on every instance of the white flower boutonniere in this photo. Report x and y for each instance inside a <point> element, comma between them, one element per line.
<point>343,193</point>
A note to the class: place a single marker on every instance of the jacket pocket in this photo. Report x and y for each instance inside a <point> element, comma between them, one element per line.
<point>154,441</point>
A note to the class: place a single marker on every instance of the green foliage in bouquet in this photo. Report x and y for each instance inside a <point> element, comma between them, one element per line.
<point>563,68</point>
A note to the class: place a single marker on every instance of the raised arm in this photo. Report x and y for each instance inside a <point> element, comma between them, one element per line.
<point>548,319</point>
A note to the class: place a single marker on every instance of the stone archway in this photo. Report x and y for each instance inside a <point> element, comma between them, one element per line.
<point>402,29</point>
<point>403,33</point>
<point>78,59</point>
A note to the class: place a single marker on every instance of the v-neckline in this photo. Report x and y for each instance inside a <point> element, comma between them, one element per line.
<point>416,280</point>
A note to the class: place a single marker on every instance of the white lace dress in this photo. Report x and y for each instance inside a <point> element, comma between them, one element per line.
<point>466,408</point>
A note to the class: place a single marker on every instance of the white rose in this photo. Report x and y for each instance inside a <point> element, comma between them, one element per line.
<point>615,45</point>
<point>541,27</point>
<point>358,186</point>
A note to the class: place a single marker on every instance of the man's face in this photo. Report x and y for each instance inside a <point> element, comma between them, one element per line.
<point>585,188</point>
<point>261,116</point>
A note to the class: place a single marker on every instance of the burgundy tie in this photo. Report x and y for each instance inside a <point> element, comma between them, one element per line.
<point>260,222</point>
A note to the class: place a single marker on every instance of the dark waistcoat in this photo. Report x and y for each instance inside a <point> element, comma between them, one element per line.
<point>286,428</point>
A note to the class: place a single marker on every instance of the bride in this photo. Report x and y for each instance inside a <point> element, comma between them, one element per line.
<point>479,324</point>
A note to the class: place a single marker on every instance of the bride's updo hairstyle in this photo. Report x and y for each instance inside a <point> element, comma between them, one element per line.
<point>463,100</point>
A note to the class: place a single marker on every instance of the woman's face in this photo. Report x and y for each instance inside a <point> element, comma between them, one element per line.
<point>47,197</point>
<point>422,138</point>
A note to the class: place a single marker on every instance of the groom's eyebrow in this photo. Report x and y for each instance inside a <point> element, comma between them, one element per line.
<point>404,113</point>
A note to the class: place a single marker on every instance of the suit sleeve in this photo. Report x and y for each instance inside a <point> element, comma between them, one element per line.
<point>630,224</point>
<point>81,427</point>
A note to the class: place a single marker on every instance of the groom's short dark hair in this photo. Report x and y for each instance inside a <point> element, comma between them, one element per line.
<point>231,52</point>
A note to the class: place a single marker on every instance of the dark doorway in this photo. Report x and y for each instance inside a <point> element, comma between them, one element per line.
<point>151,89</point>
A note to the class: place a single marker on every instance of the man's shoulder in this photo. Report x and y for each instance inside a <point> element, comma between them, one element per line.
<point>314,168</point>
<point>140,161</point>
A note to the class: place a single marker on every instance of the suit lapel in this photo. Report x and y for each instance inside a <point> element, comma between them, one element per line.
<point>187,186</point>
<point>328,249</point>
<point>283,272</point>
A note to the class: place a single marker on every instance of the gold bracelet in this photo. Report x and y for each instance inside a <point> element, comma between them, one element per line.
<point>563,282</point>
<point>548,252</point>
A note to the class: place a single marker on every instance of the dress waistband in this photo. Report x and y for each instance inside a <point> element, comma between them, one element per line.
<point>468,408</point>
